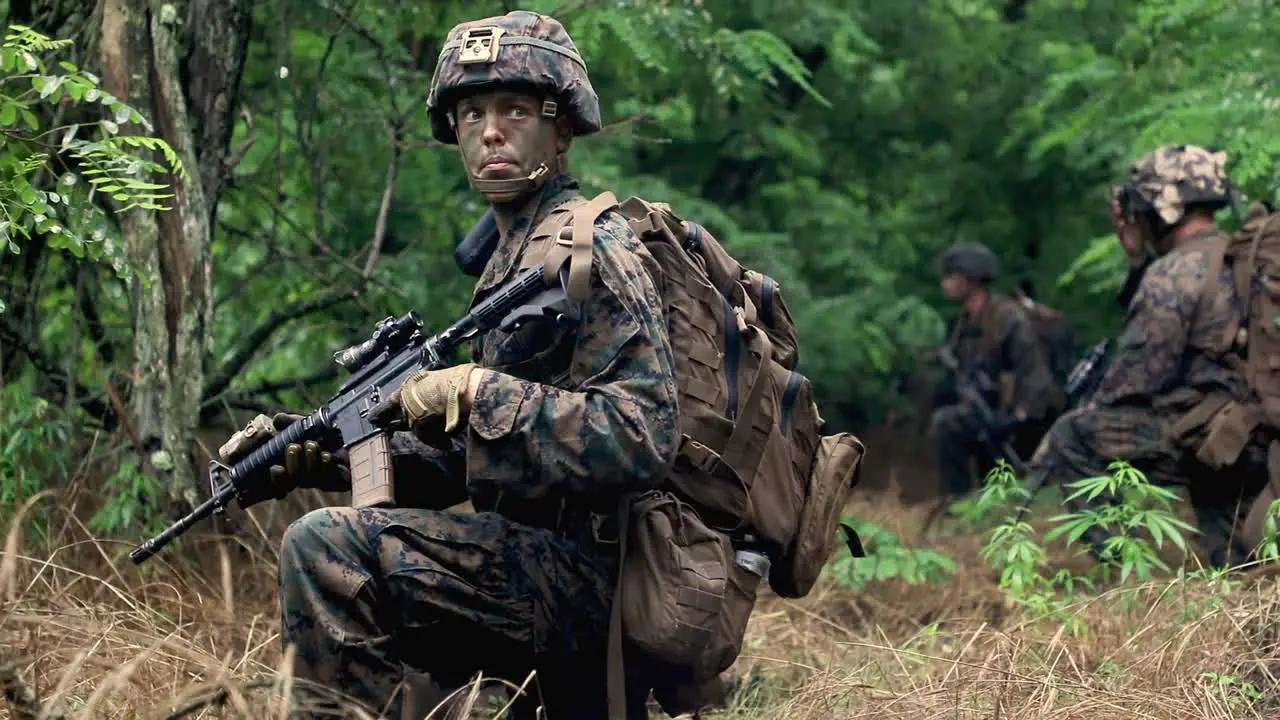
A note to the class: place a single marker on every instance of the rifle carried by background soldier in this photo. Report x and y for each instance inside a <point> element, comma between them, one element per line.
<point>973,388</point>
<point>379,366</point>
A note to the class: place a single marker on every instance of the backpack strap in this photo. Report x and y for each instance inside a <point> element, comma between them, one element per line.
<point>544,237</point>
<point>615,671</point>
<point>1217,255</point>
<point>743,451</point>
<point>577,248</point>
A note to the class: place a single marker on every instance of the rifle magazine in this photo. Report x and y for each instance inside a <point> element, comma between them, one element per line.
<point>372,480</point>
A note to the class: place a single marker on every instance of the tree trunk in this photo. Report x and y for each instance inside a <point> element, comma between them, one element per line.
<point>179,63</point>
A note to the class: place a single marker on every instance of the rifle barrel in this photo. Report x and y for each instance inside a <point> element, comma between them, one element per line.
<point>166,536</point>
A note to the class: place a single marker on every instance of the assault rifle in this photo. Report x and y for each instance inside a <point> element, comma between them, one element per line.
<point>378,366</point>
<point>974,388</point>
<point>1086,376</point>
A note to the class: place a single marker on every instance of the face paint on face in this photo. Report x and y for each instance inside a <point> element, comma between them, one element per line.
<point>502,135</point>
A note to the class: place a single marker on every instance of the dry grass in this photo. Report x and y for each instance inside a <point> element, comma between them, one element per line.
<point>96,637</point>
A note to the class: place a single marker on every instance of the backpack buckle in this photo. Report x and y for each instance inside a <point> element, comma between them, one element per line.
<point>603,530</point>
<point>479,45</point>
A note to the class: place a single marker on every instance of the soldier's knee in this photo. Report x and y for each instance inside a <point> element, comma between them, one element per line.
<point>323,530</point>
<point>944,421</point>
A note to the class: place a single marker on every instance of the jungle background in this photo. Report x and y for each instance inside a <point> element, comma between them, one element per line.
<point>836,145</point>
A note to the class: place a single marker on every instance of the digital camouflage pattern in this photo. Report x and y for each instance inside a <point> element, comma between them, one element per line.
<point>532,441</point>
<point>533,50</point>
<point>1173,176</point>
<point>370,593</point>
<point>1159,346</point>
<point>1000,341</point>
<point>566,422</point>
<point>1159,372</point>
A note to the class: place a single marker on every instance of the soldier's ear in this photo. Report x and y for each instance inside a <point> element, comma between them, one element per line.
<point>564,132</point>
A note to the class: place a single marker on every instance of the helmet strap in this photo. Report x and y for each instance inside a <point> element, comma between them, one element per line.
<point>510,189</point>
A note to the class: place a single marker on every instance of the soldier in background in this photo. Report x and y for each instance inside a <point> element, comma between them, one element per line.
<point>997,349</point>
<point>1166,392</point>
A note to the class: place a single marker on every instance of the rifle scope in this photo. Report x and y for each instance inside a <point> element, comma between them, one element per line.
<point>390,334</point>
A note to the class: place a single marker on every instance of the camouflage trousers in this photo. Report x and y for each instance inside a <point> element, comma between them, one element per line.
<point>371,597</point>
<point>1082,443</point>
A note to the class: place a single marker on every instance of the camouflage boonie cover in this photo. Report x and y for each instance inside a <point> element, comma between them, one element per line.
<point>1172,176</point>
<point>531,49</point>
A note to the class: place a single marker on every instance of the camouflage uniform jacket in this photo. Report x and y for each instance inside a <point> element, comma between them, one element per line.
<point>570,419</point>
<point>1000,340</point>
<point>1160,348</point>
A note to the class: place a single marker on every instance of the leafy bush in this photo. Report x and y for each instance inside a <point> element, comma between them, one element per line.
<point>88,160</point>
<point>888,558</point>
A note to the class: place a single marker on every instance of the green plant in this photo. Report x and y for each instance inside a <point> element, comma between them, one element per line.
<point>1123,518</point>
<point>888,558</point>
<point>1269,548</point>
<point>34,157</point>
<point>35,449</point>
<point>130,494</point>
<point>1013,550</point>
<point>1238,694</point>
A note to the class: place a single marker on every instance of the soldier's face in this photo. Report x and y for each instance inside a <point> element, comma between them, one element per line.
<point>956,286</point>
<point>503,135</point>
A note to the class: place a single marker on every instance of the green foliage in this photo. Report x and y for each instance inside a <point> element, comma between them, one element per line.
<point>35,452</point>
<point>888,559</point>
<point>131,500</point>
<point>1175,71</point>
<point>34,155</point>
<point>1123,518</point>
<point>1015,550</point>
<point>1269,548</point>
<point>1241,696</point>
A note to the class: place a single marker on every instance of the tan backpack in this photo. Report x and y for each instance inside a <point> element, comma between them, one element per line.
<point>753,473</point>
<point>1251,342</point>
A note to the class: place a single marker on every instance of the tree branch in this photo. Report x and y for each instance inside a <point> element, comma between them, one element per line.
<point>49,368</point>
<point>384,208</point>
<point>263,332</point>
<point>244,399</point>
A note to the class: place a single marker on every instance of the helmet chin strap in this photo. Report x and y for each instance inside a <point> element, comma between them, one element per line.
<point>512,189</point>
<point>508,189</point>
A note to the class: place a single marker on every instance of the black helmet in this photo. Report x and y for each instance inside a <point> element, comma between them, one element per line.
<point>972,260</point>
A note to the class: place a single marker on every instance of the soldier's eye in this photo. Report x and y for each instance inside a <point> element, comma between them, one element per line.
<point>518,112</point>
<point>471,116</point>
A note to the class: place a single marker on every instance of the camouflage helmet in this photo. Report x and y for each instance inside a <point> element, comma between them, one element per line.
<point>520,49</point>
<point>1171,177</point>
<point>972,260</point>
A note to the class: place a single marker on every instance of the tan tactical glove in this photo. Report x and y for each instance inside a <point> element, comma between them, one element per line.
<point>425,395</point>
<point>306,464</point>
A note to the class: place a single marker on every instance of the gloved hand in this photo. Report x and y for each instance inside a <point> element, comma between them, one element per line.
<point>308,464</point>
<point>425,396</point>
